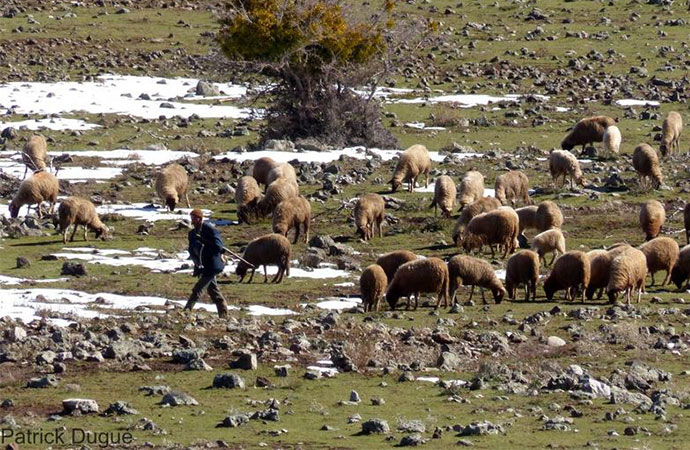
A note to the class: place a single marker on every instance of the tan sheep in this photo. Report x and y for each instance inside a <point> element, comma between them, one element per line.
<point>549,241</point>
<point>413,162</point>
<point>247,197</point>
<point>428,275</point>
<point>612,140</point>
<point>512,186</point>
<point>444,195</point>
<point>282,170</point>
<point>548,216</point>
<point>670,133</point>
<point>391,261</point>
<point>652,218</point>
<point>646,163</point>
<point>528,218</point>
<point>270,249</point>
<point>471,188</point>
<point>587,131</point>
<point>600,269</point>
<point>291,213</point>
<point>482,205</point>
<point>681,270</point>
<point>369,215</point>
<point>661,254</point>
<point>474,272</point>
<point>372,286</point>
<point>500,226</point>
<point>172,183</point>
<point>281,189</point>
<point>79,211</point>
<point>628,272</point>
<point>686,223</point>
<point>522,267</point>
<point>38,188</point>
<point>261,169</point>
<point>564,164</point>
<point>571,272</point>
<point>34,154</point>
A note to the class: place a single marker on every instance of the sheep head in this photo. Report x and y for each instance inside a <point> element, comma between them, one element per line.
<point>395,184</point>
<point>678,275</point>
<point>14,210</point>
<point>171,200</point>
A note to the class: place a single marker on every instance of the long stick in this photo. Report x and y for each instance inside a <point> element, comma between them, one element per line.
<point>231,253</point>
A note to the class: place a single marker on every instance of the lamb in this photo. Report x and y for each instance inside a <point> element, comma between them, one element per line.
<point>471,188</point>
<point>681,270</point>
<point>548,216</point>
<point>646,163</point>
<point>686,223</point>
<point>474,272</point>
<point>512,186</point>
<point>270,249</point>
<point>587,131</point>
<point>172,183</point>
<point>39,187</point>
<point>261,169</point>
<point>661,253</point>
<point>482,205</point>
<point>670,133</point>
<point>79,211</point>
<point>282,170</point>
<point>247,196</point>
<point>391,261</point>
<point>565,164</point>
<point>372,286</point>
<point>571,272</point>
<point>522,267</point>
<point>294,213</point>
<point>500,226</point>
<point>628,272</point>
<point>281,189</point>
<point>413,162</point>
<point>444,195</point>
<point>600,268</point>
<point>369,214</point>
<point>612,140</point>
<point>652,218</point>
<point>34,154</point>
<point>549,241</point>
<point>419,276</point>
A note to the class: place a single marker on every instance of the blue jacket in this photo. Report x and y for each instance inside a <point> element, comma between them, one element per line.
<point>205,249</point>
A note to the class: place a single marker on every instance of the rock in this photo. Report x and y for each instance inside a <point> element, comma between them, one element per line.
<point>177,398</point>
<point>207,89</point>
<point>42,382</point>
<point>73,269</point>
<point>448,361</point>
<point>228,381</point>
<point>481,428</point>
<point>322,242</point>
<point>122,349</point>
<point>185,356</point>
<point>22,262</point>
<point>555,341</point>
<point>282,371</point>
<point>80,405</point>
<point>198,364</point>
<point>120,408</point>
<point>594,387</point>
<point>413,440</point>
<point>16,334</point>
<point>47,357</point>
<point>246,361</point>
<point>269,414</point>
<point>155,390</point>
<point>412,426</point>
<point>234,421</point>
<point>122,11</point>
<point>376,426</point>
<point>279,145</point>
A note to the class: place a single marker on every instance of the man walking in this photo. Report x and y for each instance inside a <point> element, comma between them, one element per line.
<point>205,249</point>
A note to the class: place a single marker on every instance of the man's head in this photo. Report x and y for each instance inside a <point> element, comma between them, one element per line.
<point>196,216</point>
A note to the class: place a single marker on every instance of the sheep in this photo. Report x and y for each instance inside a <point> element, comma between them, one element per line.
<point>628,272</point>
<point>372,286</point>
<point>522,267</point>
<point>369,214</point>
<point>686,223</point>
<point>471,188</point>
<point>548,216</point>
<point>247,196</point>
<point>261,169</point>
<point>500,226</point>
<point>474,272</point>
<point>270,249</point>
<point>571,272</point>
<point>587,131</point>
<point>652,218</point>
<point>282,170</point>
<point>670,133</point>
<point>79,211</point>
<point>565,164</point>
<point>39,187</point>
<point>511,186</point>
<point>661,253</point>
<point>681,270</point>
<point>482,205</point>
<point>528,219</point>
<point>600,268</point>
<point>549,241</point>
<point>291,213</point>
<point>416,277</point>
<point>646,163</point>
<point>444,195</point>
<point>391,261</point>
<point>612,140</point>
<point>172,182</point>
<point>413,162</point>
<point>34,154</point>
<point>281,189</point>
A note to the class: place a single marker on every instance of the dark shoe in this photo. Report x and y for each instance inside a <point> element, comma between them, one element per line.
<point>222,310</point>
<point>190,305</point>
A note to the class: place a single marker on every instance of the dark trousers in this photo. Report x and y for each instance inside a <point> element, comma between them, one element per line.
<point>209,283</point>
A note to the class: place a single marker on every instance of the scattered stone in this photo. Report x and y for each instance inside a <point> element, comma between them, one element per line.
<point>228,380</point>
<point>555,341</point>
<point>73,269</point>
<point>282,371</point>
<point>481,428</point>
<point>79,406</point>
<point>376,426</point>
<point>234,421</point>
<point>354,397</point>
<point>177,398</point>
<point>42,382</point>
<point>246,361</point>
<point>412,440</point>
<point>120,408</point>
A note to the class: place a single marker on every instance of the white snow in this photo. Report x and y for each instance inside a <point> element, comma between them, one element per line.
<point>465,100</point>
<point>633,102</point>
<point>147,211</point>
<point>8,281</point>
<point>428,379</point>
<point>422,126</point>
<point>55,124</point>
<point>339,303</point>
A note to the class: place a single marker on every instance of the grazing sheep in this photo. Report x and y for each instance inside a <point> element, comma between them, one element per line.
<point>471,188</point>
<point>413,162</point>
<point>79,211</point>
<point>372,286</point>
<point>548,216</point>
<point>172,183</point>
<point>282,170</point>
<point>549,241</point>
<point>628,272</point>
<point>528,218</point>
<point>444,195</point>
<point>482,205</point>
<point>500,226</point>
<point>571,272</point>
<point>474,272</point>
<point>661,254</point>
<point>522,267</point>
<point>670,133</point>
<point>686,223</point>
<point>565,164</point>
<point>681,270</point>
<point>391,261</point>
<point>587,131</point>
<point>270,249</point>
<point>39,187</point>
<point>512,186</point>
<point>294,213</point>
<point>652,218</point>
<point>261,169</point>
<point>247,197</point>
<point>428,275</point>
<point>646,163</point>
<point>600,269</point>
<point>281,189</point>
<point>34,154</point>
<point>369,214</point>
<point>612,140</point>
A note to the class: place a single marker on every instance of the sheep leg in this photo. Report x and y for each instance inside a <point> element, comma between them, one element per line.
<point>187,200</point>
<point>252,276</point>
<point>481,289</point>
<point>379,222</point>
<point>306,232</point>
<point>471,292</point>
<point>651,275</point>
<point>416,300</point>
<point>554,253</point>
<point>279,276</point>
<point>667,279</point>
<point>296,234</point>
<point>265,274</point>
<point>86,238</point>
<point>71,239</point>
<point>64,235</point>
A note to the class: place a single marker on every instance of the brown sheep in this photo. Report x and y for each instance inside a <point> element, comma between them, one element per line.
<point>646,163</point>
<point>522,267</point>
<point>587,131</point>
<point>372,286</point>
<point>413,162</point>
<point>512,186</point>
<point>565,164</point>
<point>670,133</point>
<point>369,215</point>
<point>79,211</point>
<point>571,272</point>
<point>686,223</point>
<point>391,261</point>
<point>270,249</point>
<point>661,253</point>
<point>681,270</point>
<point>652,218</point>
<point>549,241</point>
<point>291,213</point>
<point>282,170</point>
<point>38,188</point>
<point>600,268</point>
<point>172,183</point>
<point>444,195</point>
<point>548,216</point>
<point>528,219</point>
<point>471,188</point>
<point>482,205</point>
<point>427,275</point>
<point>34,154</point>
<point>247,196</point>
<point>500,226</point>
<point>628,272</point>
<point>261,168</point>
<point>474,272</point>
<point>281,189</point>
